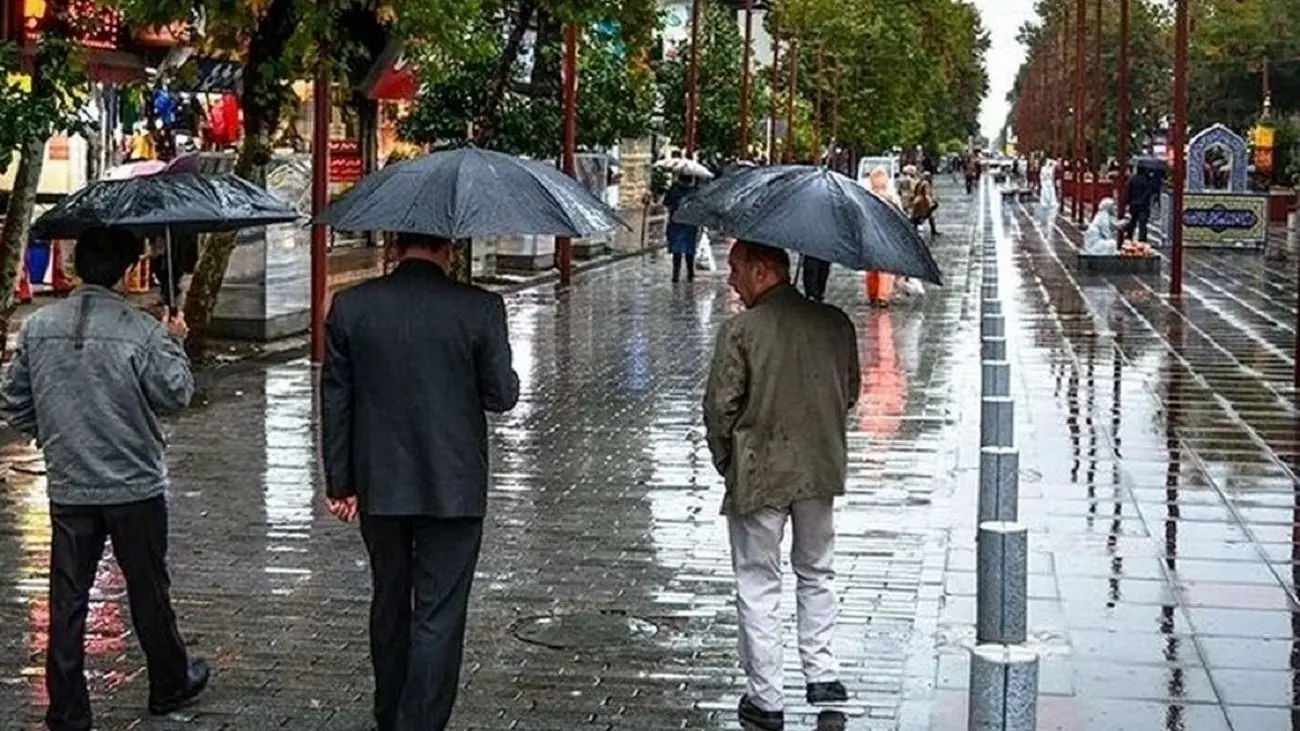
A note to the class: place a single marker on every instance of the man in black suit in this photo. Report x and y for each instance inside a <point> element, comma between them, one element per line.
<point>413,360</point>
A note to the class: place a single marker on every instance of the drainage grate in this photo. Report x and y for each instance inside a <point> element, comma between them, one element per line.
<point>585,631</point>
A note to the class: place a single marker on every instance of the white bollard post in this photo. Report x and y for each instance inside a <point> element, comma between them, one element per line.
<point>1002,582</point>
<point>1003,688</point>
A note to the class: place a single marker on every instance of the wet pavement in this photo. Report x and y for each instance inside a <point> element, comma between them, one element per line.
<point>1157,446</point>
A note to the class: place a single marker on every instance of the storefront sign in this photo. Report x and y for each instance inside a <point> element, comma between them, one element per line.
<point>345,161</point>
<point>93,25</point>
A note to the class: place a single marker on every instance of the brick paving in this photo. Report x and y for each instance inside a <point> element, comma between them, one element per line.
<point>604,503</point>
<point>1158,447</point>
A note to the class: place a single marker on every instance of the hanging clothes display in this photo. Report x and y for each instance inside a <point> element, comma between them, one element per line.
<point>164,107</point>
<point>223,121</point>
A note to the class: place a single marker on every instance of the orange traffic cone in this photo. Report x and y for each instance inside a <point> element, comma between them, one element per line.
<point>23,292</point>
<point>60,282</point>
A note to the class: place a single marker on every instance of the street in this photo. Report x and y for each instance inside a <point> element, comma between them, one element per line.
<point>1157,444</point>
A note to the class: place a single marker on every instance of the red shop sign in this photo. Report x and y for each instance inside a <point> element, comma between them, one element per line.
<point>345,161</point>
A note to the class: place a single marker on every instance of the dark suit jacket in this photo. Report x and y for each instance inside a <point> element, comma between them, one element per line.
<point>412,362</point>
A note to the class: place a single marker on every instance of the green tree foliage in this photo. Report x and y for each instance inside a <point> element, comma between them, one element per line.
<point>718,115</point>
<point>495,97</point>
<point>1150,67</point>
<point>48,102</point>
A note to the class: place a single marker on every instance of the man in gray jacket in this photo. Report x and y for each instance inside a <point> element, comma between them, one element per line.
<point>783,378</point>
<point>90,377</point>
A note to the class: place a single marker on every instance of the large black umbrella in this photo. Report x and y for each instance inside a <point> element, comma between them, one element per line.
<point>163,204</point>
<point>815,212</point>
<point>469,192</point>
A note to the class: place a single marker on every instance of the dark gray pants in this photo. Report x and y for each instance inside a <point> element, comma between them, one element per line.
<point>422,570</point>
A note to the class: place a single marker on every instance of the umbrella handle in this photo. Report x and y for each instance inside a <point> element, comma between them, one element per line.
<point>169,288</point>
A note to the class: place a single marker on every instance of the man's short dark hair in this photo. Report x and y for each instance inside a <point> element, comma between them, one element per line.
<point>103,255</point>
<point>772,256</point>
<point>424,241</point>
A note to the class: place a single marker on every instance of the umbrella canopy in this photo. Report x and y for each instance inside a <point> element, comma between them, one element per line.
<point>153,205</point>
<point>815,212</point>
<point>468,193</point>
<point>684,166</point>
<point>134,170</point>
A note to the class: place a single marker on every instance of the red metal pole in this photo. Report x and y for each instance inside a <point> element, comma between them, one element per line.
<point>1125,110</point>
<point>320,164</point>
<point>789,156</point>
<point>564,245</point>
<point>693,80</point>
<point>1080,104</point>
<point>1178,140</point>
<point>1100,180</point>
<point>745,74</point>
<point>818,106</point>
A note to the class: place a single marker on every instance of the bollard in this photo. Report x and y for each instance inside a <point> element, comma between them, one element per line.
<point>997,421</point>
<point>1003,689</point>
<point>1002,582</point>
<point>999,496</point>
<point>993,326</point>
<point>988,291</point>
<point>991,306</point>
<point>995,378</point>
<point>993,348</point>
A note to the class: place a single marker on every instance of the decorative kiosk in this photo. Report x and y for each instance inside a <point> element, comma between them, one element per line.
<point>1219,211</point>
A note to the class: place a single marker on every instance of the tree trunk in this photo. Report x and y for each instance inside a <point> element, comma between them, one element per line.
<point>262,100</point>
<point>491,112</point>
<point>18,224</point>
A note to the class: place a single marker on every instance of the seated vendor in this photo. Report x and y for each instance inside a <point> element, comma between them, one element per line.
<point>1101,238</point>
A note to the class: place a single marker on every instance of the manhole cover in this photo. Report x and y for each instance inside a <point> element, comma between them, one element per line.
<point>584,631</point>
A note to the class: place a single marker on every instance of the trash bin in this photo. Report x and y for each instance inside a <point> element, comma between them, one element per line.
<point>38,261</point>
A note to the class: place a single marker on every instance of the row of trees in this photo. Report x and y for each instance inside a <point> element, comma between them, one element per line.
<point>879,72</point>
<point>1240,50</point>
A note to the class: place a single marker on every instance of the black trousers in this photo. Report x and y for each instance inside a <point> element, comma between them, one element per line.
<point>918,220</point>
<point>678,261</point>
<point>1137,228</point>
<point>422,570</point>
<point>815,275</point>
<point>139,533</point>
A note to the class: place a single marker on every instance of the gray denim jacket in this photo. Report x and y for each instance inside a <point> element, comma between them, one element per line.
<point>91,375</point>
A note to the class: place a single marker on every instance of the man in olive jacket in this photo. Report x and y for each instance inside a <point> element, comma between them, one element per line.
<point>783,378</point>
<point>412,362</point>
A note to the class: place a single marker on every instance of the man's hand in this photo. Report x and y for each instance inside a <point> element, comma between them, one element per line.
<point>344,509</point>
<point>177,327</point>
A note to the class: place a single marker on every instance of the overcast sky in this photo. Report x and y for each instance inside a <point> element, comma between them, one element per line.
<point>1002,18</point>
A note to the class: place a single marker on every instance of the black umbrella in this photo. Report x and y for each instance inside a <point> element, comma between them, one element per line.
<point>469,192</point>
<point>163,204</point>
<point>815,212</point>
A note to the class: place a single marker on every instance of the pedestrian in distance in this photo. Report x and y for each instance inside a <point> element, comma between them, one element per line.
<point>683,238</point>
<point>90,378</point>
<point>783,378</point>
<point>413,362</point>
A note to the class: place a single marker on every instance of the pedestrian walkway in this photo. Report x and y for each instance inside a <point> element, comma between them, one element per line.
<point>604,521</point>
<point>1158,450</point>
<point>1157,447</point>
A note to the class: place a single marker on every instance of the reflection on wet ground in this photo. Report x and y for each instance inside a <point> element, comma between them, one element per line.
<point>1157,447</point>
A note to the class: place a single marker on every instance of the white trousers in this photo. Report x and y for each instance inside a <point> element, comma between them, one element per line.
<point>756,559</point>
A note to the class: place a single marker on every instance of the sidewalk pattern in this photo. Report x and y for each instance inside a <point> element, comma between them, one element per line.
<point>604,509</point>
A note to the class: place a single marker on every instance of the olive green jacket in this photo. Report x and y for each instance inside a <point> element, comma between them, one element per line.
<point>783,378</point>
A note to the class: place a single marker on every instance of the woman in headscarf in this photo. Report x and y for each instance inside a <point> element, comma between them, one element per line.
<point>682,237</point>
<point>1102,234</point>
<point>880,286</point>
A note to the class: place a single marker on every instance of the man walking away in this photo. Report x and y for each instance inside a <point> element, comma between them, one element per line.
<point>816,274</point>
<point>90,377</point>
<point>783,378</point>
<point>413,360</point>
<point>1142,190</point>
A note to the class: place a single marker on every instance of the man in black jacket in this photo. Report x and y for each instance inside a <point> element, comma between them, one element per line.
<point>413,360</point>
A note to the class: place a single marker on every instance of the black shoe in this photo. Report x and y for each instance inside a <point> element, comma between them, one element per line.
<point>196,679</point>
<point>757,717</point>
<point>832,692</point>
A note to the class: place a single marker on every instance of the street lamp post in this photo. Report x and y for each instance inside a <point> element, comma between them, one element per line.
<point>772,98</point>
<point>693,80</point>
<point>1080,102</point>
<point>1178,140</point>
<point>792,86</point>
<point>1098,162</point>
<point>320,192</point>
